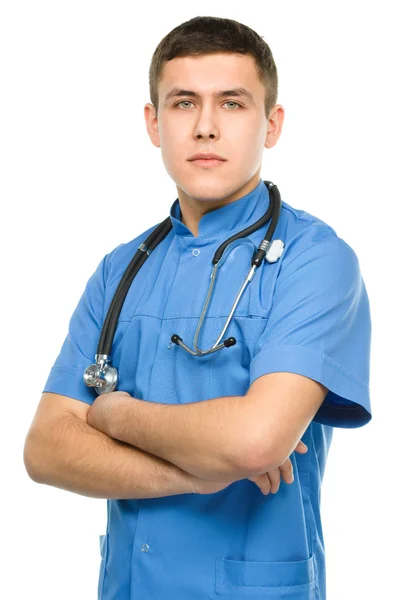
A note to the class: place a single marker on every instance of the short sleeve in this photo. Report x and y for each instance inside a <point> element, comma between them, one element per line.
<point>80,345</point>
<point>320,327</point>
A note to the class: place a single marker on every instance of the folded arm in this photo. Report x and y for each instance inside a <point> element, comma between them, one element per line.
<point>207,439</point>
<point>63,451</point>
<point>229,436</point>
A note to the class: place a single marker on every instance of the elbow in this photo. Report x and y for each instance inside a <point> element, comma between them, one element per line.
<point>31,462</point>
<point>257,457</point>
<point>233,464</point>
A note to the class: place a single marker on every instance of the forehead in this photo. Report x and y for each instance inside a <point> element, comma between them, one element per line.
<point>211,72</point>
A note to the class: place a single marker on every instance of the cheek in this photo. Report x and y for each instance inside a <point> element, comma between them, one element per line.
<point>246,135</point>
<point>173,142</point>
<point>173,128</point>
<point>245,149</point>
<point>172,153</point>
<point>255,146</point>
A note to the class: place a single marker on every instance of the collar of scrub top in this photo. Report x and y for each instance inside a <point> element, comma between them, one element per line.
<point>237,215</point>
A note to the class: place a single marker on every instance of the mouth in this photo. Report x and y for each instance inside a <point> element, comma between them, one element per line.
<point>207,162</point>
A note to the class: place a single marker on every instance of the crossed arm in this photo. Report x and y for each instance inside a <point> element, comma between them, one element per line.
<point>229,436</point>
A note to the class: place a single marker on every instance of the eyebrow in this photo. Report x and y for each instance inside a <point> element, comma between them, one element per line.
<point>175,92</point>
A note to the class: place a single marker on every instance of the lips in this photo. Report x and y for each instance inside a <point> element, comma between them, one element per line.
<point>207,162</point>
<point>206,156</point>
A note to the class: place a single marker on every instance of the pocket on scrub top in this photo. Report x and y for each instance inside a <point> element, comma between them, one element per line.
<point>266,579</point>
<point>102,571</point>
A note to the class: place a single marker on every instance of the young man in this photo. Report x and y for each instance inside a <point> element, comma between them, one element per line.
<point>179,445</point>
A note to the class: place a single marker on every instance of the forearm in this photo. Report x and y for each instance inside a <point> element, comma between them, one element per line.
<point>80,459</point>
<point>209,439</point>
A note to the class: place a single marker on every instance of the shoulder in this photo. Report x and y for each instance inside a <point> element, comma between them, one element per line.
<point>306,237</point>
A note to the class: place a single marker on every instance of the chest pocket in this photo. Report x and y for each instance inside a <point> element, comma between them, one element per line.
<point>233,268</point>
<point>255,303</point>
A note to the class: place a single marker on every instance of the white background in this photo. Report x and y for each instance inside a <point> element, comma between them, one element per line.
<point>79,176</point>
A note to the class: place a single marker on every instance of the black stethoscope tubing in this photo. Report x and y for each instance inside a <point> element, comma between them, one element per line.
<point>156,236</point>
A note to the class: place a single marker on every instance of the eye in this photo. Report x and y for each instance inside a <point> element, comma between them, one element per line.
<point>232,102</point>
<point>228,102</point>
<point>182,102</point>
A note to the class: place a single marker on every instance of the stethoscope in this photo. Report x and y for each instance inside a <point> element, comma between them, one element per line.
<point>102,375</point>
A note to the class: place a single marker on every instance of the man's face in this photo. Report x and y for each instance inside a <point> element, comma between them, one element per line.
<point>233,126</point>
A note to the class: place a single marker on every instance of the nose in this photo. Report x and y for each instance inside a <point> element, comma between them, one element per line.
<point>205,125</point>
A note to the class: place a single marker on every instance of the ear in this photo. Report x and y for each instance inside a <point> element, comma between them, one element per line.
<point>151,121</point>
<point>275,122</point>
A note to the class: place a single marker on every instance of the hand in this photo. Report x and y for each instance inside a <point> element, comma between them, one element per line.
<point>270,481</point>
<point>102,410</point>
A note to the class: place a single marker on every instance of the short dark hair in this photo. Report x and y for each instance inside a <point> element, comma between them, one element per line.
<point>213,35</point>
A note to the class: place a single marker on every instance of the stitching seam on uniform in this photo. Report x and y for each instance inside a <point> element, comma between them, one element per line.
<point>312,219</point>
<point>339,367</point>
<point>313,243</point>
<point>70,366</point>
<point>325,358</point>
<point>311,524</point>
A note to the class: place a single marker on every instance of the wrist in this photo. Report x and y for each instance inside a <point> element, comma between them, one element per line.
<point>121,418</point>
<point>192,483</point>
<point>174,479</point>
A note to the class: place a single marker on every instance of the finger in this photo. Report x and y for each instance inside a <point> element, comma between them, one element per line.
<point>286,470</point>
<point>262,482</point>
<point>275,480</point>
<point>301,447</point>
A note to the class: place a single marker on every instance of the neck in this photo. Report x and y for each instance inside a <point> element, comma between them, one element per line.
<point>193,209</point>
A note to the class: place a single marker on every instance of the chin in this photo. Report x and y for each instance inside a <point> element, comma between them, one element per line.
<point>207,188</point>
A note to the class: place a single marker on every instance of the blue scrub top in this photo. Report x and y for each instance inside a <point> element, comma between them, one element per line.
<point>308,313</point>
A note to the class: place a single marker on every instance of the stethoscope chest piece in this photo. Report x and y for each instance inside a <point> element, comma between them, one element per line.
<point>101,375</point>
<point>274,251</point>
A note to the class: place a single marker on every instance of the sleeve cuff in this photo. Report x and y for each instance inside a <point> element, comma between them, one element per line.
<point>68,381</point>
<point>347,403</point>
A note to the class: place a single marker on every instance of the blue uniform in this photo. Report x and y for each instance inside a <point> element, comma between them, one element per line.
<point>308,313</point>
